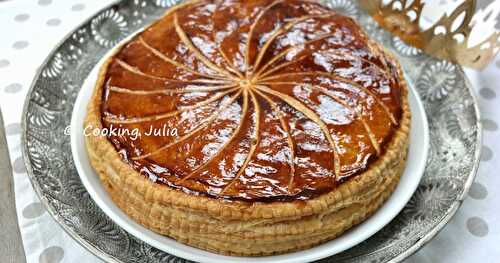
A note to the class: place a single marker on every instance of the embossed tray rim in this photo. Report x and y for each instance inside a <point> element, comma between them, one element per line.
<point>52,212</point>
<point>109,258</point>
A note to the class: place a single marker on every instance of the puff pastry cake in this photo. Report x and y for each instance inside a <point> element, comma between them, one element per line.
<point>291,125</point>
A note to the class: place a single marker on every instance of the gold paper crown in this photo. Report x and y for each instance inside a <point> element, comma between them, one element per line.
<point>444,39</point>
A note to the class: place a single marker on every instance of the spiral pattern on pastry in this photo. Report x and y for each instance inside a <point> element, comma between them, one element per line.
<point>272,100</point>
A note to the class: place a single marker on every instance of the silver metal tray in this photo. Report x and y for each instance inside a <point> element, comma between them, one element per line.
<point>452,111</point>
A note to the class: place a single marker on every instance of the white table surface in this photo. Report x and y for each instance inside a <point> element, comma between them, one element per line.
<point>29,29</point>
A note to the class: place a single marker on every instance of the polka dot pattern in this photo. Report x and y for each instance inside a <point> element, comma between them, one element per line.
<point>18,166</point>
<point>33,210</point>
<point>13,129</point>
<point>52,254</point>
<point>77,7</point>
<point>490,125</point>
<point>4,63</point>
<point>486,153</point>
<point>21,17</point>
<point>54,22</point>
<point>20,44</point>
<point>478,191</point>
<point>44,2</point>
<point>487,93</point>
<point>477,226</point>
<point>13,88</point>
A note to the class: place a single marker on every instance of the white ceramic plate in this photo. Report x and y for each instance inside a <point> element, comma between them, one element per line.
<point>419,144</point>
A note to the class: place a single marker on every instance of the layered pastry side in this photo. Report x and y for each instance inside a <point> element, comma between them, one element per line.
<point>250,127</point>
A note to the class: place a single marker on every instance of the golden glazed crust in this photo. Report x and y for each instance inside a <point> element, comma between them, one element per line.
<point>278,100</point>
<point>247,228</point>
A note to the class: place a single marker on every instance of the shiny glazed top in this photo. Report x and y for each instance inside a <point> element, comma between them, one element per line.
<point>272,100</point>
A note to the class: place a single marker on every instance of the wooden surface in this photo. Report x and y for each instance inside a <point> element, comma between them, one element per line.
<point>11,248</point>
